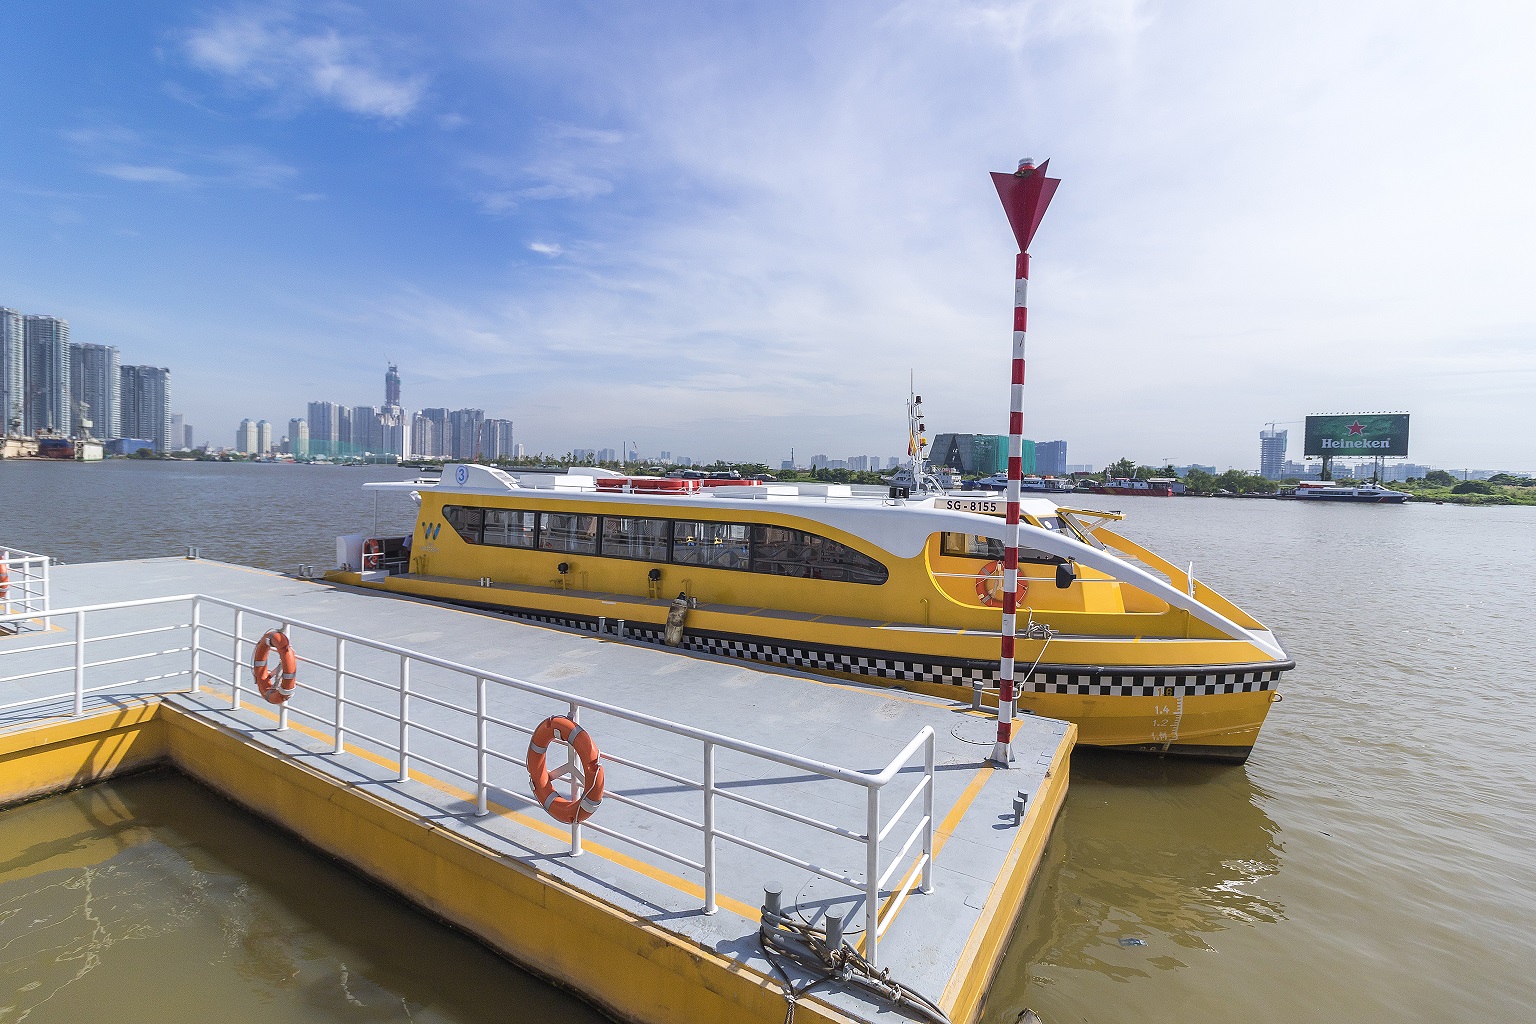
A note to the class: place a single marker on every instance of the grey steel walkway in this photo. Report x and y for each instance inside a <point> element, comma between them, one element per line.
<point>855,726</point>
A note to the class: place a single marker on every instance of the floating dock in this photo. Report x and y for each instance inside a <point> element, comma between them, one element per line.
<point>401,755</point>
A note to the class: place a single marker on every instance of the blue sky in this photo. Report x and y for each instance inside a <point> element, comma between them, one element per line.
<point>729,229</point>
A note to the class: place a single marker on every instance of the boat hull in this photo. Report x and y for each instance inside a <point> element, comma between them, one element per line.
<point>1197,710</point>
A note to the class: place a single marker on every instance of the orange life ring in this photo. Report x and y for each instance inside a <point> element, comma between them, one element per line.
<point>373,555</point>
<point>5,577</point>
<point>558,807</point>
<point>275,687</point>
<point>989,585</point>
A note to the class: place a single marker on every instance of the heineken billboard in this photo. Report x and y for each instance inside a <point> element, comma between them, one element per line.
<point>1362,435</point>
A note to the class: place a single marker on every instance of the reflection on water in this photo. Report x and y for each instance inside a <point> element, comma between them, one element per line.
<point>1122,892</point>
<point>149,899</point>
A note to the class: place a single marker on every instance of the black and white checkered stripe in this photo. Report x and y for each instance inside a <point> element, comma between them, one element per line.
<point>876,665</point>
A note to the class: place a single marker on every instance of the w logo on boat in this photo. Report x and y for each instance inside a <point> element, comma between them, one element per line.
<point>430,530</point>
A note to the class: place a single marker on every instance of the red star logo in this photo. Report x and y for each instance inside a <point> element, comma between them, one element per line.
<point>1356,427</point>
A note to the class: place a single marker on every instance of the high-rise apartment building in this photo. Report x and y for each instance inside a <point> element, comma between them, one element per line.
<point>13,373</point>
<point>46,341</point>
<point>186,436</point>
<point>324,427</point>
<point>436,435</point>
<point>178,430</point>
<point>95,384</point>
<point>464,424</point>
<point>364,420</point>
<point>298,438</point>
<point>1051,458</point>
<point>146,404</point>
<point>858,463</point>
<point>245,437</point>
<point>1272,445</point>
<point>496,439</point>
<point>263,437</point>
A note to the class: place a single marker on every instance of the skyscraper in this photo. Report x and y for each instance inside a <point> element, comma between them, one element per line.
<point>13,372</point>
<point>424,436</point>
<point>392,386</point>
<point>245,437</point>
<point>324,427</point>
<point>263,437</point>
<point>47,374</point>
<point>1272,444</point>
<point>465,427</point>
<point>365,429</point>
<point>146,398</point>
<point>95,383</point>
<point>496,439</point>
<point>1051,458</point>
<point>298,438</point>
<point>440,440</point>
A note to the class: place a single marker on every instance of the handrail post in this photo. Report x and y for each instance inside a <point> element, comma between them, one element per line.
<point>234,665</point>
<point>710,905</point>
<point>197,643</point>
<point>570,768</point>
<point>872,879</point>
<point>405,713</point>
<point>482,781</point>
<point>341,695</point>
<point>282,709</point>
<point>928,752</point>
<point>47,603</point>
<point>79,664</point>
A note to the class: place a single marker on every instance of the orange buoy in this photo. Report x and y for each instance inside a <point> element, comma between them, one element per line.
<point>373,555</point>
<point>581,741</point>
<point>276,687</point>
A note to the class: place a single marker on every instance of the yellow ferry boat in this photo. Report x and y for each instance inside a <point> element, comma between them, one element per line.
<point>892,590</point>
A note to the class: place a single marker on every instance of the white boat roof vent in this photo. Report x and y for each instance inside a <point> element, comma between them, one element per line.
<point>477,478</point>
<point>825,490</point>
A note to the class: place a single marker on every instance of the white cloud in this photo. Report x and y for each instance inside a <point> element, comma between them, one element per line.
<point>270,51</point>
<point>158,175</point>
<point>546,248</point>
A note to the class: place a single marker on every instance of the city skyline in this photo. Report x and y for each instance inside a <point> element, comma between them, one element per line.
<point>608,228</point>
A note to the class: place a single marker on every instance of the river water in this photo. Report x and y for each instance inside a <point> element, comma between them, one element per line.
<point>1373,861</point>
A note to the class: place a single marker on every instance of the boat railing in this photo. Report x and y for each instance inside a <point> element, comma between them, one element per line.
<point>414,710</point>
<point>23,590</point>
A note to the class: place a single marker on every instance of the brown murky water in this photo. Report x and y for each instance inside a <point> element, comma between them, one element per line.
<point>1372,862</point>
<point>149,899</point>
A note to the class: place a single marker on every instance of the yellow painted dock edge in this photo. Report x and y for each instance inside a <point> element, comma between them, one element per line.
<point>965,996</point>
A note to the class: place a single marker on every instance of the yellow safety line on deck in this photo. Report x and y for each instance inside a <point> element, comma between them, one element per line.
<point>623,860</point>
<point>941,836</point>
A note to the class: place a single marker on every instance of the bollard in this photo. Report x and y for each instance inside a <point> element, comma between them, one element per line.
<point>602,624</point>
<point>834,931</point>
<point>1020,801</point>
<point>773,894</point>
<point>976,688</point>
<point>621,628</point>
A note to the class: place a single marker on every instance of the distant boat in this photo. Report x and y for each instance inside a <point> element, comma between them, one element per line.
<point>1157,487</point>
<point>1374,494</point>
<point>55,448</point>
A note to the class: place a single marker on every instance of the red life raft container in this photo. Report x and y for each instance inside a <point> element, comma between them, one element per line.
<point>647,484</point>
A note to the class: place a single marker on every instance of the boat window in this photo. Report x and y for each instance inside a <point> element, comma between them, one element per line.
<point>720,545</point>
<point>969,545</point>
<point>571,533</point>
<point>636,538</point>
<point>508,529</point>
<point>1058,524</point>
<point>465,520</point>
<point>785,552</point>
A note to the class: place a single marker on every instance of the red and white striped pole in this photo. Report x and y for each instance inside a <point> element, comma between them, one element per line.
<point>1025,195</point>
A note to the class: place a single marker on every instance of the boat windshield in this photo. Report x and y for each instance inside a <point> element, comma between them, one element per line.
<point>969,545</point>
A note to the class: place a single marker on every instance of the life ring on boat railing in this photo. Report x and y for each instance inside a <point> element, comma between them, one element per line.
<point>5,577</point>
<point>275,686</point>
<point>561,809</point>
<point>373,555</point>
<point>989,584</point>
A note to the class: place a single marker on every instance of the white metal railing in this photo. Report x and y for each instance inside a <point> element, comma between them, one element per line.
<point>23,590</point>
<point>212,630</point>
